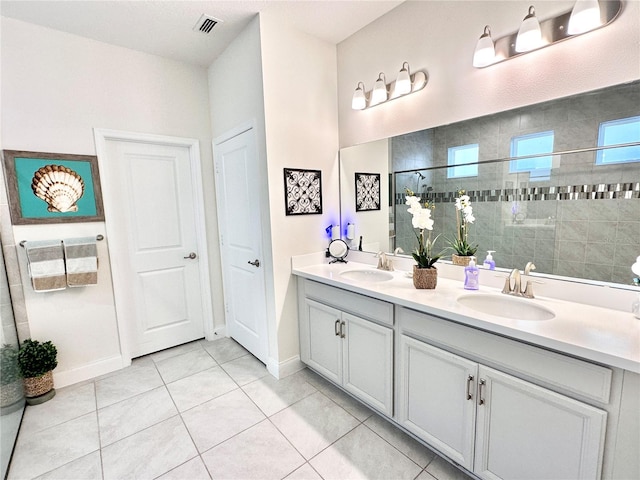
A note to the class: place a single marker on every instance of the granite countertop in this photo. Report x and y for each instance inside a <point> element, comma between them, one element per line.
<point>601,335</point>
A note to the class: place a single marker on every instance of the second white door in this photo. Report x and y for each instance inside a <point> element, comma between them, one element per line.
<point>237,187</point>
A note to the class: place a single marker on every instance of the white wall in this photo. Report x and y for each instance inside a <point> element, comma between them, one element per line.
<point>285,81</point>
<point>440,37</point>
<point>300,88</point>
<point>236,99</point>
<point>56,88</point>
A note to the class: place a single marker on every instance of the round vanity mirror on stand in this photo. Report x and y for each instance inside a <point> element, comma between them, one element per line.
<point>338,249</point>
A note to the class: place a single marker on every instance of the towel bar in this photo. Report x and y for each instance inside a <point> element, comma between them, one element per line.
<point>98,238</point>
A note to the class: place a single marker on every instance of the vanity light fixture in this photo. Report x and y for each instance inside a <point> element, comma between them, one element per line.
<point>403,81</point>
<point>380,93</point>
<point>359,100</point>
<point>529,36</point>
<point>485,49</point>
<point>585,16</point>
<point>405,84</point>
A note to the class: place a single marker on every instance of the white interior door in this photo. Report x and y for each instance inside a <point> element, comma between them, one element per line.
<point>237,188</point>
<point>155,227</point>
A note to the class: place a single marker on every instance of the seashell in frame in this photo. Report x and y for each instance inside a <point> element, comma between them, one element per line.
<point>59,186</point>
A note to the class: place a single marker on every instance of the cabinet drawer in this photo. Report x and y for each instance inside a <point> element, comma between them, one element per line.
<point>360,305</point>
<point>559,372</point>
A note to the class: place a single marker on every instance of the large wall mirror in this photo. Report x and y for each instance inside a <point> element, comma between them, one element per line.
<point>556,183</point>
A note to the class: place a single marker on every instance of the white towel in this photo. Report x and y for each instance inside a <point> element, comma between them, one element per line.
<point>81,256</point>
<point>45,260</point>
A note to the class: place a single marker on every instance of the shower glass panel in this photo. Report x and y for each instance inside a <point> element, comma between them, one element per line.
<point>582,220</point>
<point>11,396</point>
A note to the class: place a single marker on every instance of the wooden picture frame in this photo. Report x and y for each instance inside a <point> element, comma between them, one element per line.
<point>48,188</point>
<point>302,191</point>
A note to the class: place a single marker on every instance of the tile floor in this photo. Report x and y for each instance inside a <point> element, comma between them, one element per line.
<point>209,410</point>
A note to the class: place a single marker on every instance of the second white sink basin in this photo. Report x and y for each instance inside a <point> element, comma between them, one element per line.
<point>367,275</point>
<point>506,307</point>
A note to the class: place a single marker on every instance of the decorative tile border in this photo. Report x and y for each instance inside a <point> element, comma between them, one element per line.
<point>600,191</point>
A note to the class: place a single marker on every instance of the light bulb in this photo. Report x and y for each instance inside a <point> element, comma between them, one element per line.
<point>359,100</point>
<point>379,93</point>
<point>485,52</point>
<point>403,82</point>
<point>585,16</point>
<point>529,36</point>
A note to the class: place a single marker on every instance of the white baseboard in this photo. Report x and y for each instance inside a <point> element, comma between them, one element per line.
<point>285,368</point>
<point>87,372</point>
<point>218,332</point>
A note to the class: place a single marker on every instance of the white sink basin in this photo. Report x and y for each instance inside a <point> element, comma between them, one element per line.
<point>367,275</point>
<point>506,307</point>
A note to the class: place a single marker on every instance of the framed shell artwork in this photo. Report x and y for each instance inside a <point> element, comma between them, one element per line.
<point>367,191</point>
<point>302,191</point>
<point>52,187</point>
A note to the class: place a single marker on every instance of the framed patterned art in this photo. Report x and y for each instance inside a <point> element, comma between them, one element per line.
<point>367,191</point>
<point>302,191</point>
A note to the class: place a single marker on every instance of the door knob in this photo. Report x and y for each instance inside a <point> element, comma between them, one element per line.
<point>255,263</point>
<point>192,255</point>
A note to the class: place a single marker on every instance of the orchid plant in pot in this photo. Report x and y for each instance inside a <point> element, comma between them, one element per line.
<point>464,217</point>
<point>425,274</point>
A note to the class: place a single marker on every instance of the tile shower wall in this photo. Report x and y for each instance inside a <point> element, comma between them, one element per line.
<point>583,221</point>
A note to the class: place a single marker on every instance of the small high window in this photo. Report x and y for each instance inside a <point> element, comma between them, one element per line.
<point>463,161</point>
<point>532,145</point>
<point>616,132</point>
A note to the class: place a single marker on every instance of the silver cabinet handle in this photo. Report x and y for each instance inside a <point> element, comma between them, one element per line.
<point>192,255</point>
<point>336,328</point>
<point>469,382</point>
<point>255,263</point>
<point>342,324</point>
<point>481,385</point>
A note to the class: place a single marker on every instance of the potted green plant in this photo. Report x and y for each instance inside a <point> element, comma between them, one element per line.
<point>10,378</point>
<point>36,361</point>
<point>464,217</point>
<point>425,274</point>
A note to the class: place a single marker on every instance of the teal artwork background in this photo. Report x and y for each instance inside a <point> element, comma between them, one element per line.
<point>33,207</point>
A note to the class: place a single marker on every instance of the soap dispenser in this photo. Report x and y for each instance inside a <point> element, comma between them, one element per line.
<point>472,275</point>
<point>489,262</point>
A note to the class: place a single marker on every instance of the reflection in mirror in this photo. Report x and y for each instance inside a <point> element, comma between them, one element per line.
<point>546,184</point>
<point>366,205</point>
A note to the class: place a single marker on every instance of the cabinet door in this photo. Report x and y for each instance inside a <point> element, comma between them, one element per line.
<point>528,432</point>
<point>323,341</point>
<point>437,398</point>
<point>368,362</point>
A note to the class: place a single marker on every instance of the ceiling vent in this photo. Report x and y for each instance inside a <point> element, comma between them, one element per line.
<point>206,23</point>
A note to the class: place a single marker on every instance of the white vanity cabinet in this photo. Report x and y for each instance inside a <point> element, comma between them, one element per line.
<point>492,423</point>
<point>348,338</point>
<point>497,404</point>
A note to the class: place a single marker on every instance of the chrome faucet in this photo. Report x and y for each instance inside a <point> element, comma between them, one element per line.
<point>384,263</point>
<point>516,287</point>
<point>528,291</point>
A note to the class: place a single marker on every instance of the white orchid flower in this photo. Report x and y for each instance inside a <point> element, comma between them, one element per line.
<point>423,220</point>
<point>414,205</point>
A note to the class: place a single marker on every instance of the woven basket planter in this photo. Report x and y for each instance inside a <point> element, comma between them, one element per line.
<point>36,386</point>
<point>462,260</point>
<point>425,278</point>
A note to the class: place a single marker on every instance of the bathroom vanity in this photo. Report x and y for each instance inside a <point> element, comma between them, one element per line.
<point>503,397</point>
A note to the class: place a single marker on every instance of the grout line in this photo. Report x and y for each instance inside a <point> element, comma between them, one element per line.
<point>395,447</point>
